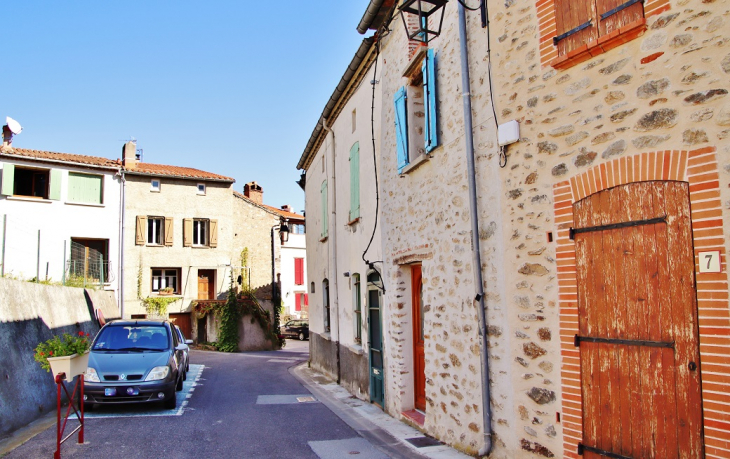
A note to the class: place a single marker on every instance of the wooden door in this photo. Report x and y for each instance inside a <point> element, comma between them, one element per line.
<point>375,340</point>
<point>206,284</point>
<point>182,320</point>
<point>419,360</point>
<point>637,314</point>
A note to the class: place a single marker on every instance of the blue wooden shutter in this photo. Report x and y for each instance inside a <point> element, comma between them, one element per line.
<point>324,208</point>
<point>8,185</point>
<point>355,181</point>
<point>401,128</point>
<point>429,95</point>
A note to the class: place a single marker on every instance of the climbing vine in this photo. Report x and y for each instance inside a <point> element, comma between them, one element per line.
<point>156,305</point>
<point>229,315</point>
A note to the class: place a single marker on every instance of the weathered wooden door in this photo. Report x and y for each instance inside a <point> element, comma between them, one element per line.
<point>183,321</point>
<point>419,360</point>
<point>637,314</point>
<point>206,284</point>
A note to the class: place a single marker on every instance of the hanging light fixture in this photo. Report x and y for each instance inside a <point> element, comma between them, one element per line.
<point>284,231</point>
<point>422,10</point>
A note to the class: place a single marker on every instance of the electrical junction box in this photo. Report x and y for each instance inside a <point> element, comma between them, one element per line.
<point>508,133</point>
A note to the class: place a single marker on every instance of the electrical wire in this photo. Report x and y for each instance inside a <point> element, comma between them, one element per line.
<point>371,264</point>
<point>471,9</point>
<point>502,149</point>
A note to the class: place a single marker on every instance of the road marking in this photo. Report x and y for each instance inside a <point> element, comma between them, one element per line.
<point>284,399</point>
<point>151,409</point>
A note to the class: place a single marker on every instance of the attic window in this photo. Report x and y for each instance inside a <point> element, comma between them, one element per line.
<point>155,186</point>
<point>201,188</point>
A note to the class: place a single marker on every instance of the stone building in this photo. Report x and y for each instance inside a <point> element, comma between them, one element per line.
<point>185,235</point>
<point>590,246</point>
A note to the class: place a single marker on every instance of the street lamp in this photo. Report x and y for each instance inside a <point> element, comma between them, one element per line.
<point>422,10</point>
<point>284,231</point>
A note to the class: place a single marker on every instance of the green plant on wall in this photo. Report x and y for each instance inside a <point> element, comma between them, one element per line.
<point>229,316</point>
<point>139,282</point>
<point>244,269</point>
<point>157,305</point>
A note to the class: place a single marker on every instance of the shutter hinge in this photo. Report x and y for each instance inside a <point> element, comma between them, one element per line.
<point>570,32</point>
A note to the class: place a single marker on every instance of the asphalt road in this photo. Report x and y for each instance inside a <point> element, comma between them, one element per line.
<point>245,405</point>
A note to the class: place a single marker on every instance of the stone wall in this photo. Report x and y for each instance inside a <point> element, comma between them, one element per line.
<point>663,92</point>
<point>323,355</point>
<point>31,314</point>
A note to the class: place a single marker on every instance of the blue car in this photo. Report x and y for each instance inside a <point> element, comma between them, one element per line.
<point>135,361</point>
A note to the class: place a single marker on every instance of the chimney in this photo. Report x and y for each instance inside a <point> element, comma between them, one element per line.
<point>7,137</point>
<point>286,208</point>
<point>254,192</point>
<point>129,155</point>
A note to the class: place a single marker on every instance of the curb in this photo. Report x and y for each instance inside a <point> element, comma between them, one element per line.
<point>382,430</point>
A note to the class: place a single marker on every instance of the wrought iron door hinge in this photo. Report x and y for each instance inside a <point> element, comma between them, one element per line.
<point>583,448</point>
<point>627,342</point>
<point>590,229</point>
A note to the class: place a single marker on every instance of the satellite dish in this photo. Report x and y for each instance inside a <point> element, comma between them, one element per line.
<point>13,125</point>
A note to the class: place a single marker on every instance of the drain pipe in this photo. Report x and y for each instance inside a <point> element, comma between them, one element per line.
<point>476,252</point>
<point>333,247</point>
<point>120,296</point>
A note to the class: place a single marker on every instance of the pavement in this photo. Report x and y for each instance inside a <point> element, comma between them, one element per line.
<point>394,437</point>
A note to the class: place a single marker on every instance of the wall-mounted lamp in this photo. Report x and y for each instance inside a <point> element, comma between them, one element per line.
<point>347,273</point>
<point>422,9</point>
<point>284,231</point>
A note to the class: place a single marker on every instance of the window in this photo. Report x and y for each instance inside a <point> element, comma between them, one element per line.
<point>357,307</point>
<point>354,182</point>
<point>85,188</point>
<point>154,230</point>
<point>323,192</point>
<point>200,232</point>
<point>166,278</point>
<point>30,182</point>
<point>299,271</point>
<point>326,304</point>
<point>415,111</point>
<point>301,301</point>
<point>599,24</point>
<point>297,228</point>
<point>201,188</point>
<point>90,261</point>
<point>155,186</point>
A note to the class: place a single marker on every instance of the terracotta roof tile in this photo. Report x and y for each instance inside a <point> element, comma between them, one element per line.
<point>285,214</point>
<point>176,171</point>
<point>23,153</point>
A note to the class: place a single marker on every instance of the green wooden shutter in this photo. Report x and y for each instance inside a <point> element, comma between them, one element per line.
<point>355,181</point>
<point>429,97</point>
<point>324,208</point>
<point>401,128</point>
<point>84,188</point>
<point>8,179</point>
<point>55,191</point>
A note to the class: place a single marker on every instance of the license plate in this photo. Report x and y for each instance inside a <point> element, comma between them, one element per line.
<point>110,391</point>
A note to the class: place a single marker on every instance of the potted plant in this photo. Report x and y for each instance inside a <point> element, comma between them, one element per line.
<point>68,354</point>
<point>166,291</point>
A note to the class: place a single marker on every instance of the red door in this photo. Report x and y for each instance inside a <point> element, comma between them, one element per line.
<point>637,320</point>
<point>419,361</point>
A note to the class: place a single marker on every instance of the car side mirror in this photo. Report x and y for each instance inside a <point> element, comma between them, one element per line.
<point>188,341</point>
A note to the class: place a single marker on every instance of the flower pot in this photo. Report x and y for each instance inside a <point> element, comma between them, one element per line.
<point>72,365</point>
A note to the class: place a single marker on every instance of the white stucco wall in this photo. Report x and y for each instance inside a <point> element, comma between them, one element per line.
<point>295,247</point>
<point>58,221</point>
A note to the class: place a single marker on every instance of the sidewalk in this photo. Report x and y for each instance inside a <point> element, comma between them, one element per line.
<point>382,430</point>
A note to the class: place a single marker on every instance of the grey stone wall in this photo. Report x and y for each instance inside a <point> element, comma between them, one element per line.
<point>31,314</point>
<point>355,372</point>
<point>323,355</point>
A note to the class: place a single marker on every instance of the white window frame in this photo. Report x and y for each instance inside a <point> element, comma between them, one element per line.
<point>201,189</point>
<point>201,232</point>
<point>155,186</point>
<point>157,225</point>
<point>166,277</point>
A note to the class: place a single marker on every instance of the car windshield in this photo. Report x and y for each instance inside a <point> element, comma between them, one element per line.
<point>132,338</point>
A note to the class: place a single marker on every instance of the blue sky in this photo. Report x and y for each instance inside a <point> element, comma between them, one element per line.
<point>231,87</point>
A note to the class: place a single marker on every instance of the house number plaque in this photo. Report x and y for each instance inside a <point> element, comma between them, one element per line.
<point>709,261</point>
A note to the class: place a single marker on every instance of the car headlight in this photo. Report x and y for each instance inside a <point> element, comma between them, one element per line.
<point>158,373</point>
<point>91,375</point>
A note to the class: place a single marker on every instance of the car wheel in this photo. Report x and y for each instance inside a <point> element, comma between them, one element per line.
<point>170,400</point>
<point>179,386</point>
<point>187,367</point>
<point>301,336</point>
<point>185,375</point>
<point>88,407</point>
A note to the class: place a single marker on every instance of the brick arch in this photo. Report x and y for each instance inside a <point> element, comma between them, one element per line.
<point>700,169</point>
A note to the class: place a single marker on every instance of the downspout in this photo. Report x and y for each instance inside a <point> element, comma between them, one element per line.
<point>123,186</point>
<point>476,252</point>
<point>333,250</point>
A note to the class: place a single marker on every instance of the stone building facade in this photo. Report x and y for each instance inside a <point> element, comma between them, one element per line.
<point>610,211</point>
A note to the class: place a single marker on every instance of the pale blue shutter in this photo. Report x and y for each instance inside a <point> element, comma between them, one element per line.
<point>8,179</point>
<point>355,181</point>
<point>401,128</point>
<point>429,95</point>
<point>324,208</point>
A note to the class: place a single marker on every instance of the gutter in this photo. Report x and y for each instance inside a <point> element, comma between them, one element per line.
<point>330,112</point>
<point>476,252</point>
<point>369,17</point>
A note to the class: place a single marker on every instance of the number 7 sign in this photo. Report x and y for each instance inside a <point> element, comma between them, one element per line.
<point>709,261</point>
